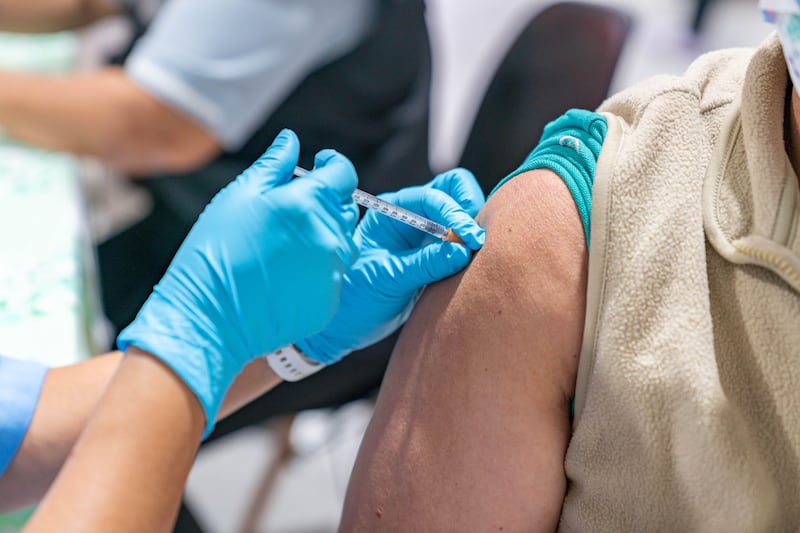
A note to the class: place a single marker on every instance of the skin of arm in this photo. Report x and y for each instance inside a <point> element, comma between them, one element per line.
<point>44,16</point>
<point>69,396</point>
<point>106,115</point>
<point>132,459</point>
<point>472,421</point>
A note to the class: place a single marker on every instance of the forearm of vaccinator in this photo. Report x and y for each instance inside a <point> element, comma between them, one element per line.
<point>69,396</point>
<point>129,466</point>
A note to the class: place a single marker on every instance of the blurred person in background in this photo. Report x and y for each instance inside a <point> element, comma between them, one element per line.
<point>205,85</point>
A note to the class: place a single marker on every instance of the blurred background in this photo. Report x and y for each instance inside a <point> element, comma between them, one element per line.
<point>289,475</point>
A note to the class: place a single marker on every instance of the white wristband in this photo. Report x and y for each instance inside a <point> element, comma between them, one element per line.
<point>290,364</point>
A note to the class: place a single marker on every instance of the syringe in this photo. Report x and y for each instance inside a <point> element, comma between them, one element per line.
<point>398,213</point>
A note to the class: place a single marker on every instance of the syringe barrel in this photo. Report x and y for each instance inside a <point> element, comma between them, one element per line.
<point>398,213</point>
<point>393,211</point>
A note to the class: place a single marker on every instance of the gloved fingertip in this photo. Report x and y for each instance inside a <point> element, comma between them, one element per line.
<point>463,187</point>
<point>335,170</point>
<point>283,136</point>
<point>323,157</point>
<point>286,139</point>
<point>453,174</point>
<point>458,257</point>
<point>275,166</point>
<point>476,238</point>
<point>451,179</point>
<point>441,260</point>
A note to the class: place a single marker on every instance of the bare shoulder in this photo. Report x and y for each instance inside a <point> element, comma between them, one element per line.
<point>476,396</point>
<point>532,224</point>
<point>531,271</point>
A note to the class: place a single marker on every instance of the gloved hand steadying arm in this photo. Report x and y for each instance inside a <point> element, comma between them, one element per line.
<point>396,260</point>
<point>261,268</point>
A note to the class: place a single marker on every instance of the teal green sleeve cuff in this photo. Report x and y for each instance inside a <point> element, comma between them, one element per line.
<point>570,146</point>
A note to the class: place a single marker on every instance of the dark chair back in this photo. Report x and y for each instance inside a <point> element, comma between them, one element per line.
<point>564,58</point>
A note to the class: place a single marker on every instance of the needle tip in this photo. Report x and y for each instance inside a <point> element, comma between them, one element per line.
<point>452,237</point>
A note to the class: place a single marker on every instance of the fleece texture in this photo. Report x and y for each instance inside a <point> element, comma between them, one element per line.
<point>687,414</point>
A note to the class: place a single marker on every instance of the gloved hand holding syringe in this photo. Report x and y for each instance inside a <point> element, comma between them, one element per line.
<point>370,201</point>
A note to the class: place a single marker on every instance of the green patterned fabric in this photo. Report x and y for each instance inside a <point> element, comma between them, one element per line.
<point>38,53</point>
<point>47,286</point>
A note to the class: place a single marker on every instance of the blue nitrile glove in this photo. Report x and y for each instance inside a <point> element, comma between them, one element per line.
<point>262,267</point>
<point>396,260</point>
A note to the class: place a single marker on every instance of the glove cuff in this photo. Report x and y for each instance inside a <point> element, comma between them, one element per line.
<point>290,364</point>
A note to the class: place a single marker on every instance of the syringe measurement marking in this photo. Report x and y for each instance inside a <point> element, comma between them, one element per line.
<point>390,210</point>
<point>395,212</point>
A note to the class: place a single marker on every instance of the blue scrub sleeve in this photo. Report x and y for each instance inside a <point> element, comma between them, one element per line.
<point>20,385</point>
<point>570,146</point>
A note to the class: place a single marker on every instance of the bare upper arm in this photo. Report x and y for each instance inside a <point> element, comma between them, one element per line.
<point>472,422</point>
<point>103,114</point>
<point>145,135</point>
<point>44,16</point>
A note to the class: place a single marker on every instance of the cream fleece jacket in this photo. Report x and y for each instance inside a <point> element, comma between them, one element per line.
<point>688,394</point>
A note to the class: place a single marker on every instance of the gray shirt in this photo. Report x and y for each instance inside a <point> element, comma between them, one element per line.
<point>229,63</point>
